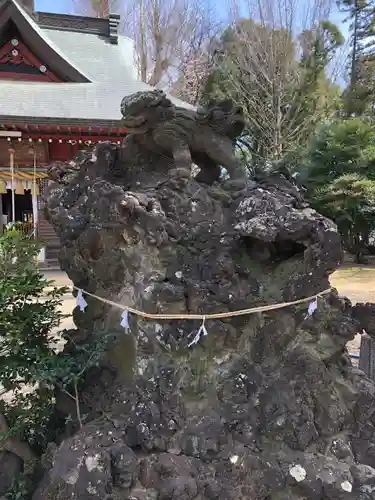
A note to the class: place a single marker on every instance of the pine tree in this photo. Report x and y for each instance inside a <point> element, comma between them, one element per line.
<point>362,60</point>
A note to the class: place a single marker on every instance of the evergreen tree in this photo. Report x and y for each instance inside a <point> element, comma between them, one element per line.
<point>340,178</point>
<point>360,92</point>
<point>279,80</point>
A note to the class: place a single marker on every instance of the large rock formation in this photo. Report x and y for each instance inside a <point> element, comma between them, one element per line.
<point>266,406</point>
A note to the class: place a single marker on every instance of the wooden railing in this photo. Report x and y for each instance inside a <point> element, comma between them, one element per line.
<point>26,228</point>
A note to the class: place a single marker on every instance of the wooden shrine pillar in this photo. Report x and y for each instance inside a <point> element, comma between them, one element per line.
<point>13,185</point>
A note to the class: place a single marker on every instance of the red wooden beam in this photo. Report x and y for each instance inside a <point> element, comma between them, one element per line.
<point>25,77</point>
<point>15,55</point>
<point>77,138</point>
<point>65,131</point>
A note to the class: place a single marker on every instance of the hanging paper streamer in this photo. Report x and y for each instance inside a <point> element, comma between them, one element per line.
<point>125,320</point>
<point>313,306</point>
<point>81,303</point>
<point>202,331</point>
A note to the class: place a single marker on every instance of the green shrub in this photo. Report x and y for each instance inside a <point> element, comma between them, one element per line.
<point>28,314</point>
<point>340,178</point>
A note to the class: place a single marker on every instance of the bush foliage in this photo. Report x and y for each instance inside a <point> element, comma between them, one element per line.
<point>30,313</point>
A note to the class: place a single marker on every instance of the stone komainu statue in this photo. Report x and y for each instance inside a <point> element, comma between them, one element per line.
<point>203,137</point>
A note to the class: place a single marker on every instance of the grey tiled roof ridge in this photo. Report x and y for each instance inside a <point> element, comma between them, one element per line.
<point>16,119</point>
<point>68,22</point>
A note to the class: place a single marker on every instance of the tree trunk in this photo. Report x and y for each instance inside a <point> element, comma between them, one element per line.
<point>365,237</point>
<point>353,70</point>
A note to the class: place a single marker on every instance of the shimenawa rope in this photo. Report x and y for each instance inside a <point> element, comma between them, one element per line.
<point>229,314</point>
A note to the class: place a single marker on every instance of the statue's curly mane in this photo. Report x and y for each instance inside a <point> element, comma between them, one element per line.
<point>140,101</point>
<point>223,116</point>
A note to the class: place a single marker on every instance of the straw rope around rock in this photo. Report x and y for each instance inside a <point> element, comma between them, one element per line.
<point>229,314</point>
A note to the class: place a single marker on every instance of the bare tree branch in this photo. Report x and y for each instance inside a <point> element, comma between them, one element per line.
<point>265,75</point>
<point>167,34</point>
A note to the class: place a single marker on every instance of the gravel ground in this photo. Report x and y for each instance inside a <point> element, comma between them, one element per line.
<point>358,284</point>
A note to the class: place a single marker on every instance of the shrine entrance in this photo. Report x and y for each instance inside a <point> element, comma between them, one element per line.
<point>23,206</point>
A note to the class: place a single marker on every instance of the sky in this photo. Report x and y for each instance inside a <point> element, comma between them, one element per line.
<point>52,6</point>
<point>57,6</point>
<point>67,6</point>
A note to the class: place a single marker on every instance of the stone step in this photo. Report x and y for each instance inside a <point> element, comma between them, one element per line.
<point>49,266</point>
<point>50,243</point>
<point>47,230</point>
<point>50,236</point>
<point>53,239</point>
<point>52,253</point>
<point>49,240</point>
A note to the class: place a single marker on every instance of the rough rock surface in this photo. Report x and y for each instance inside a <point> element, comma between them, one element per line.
<point>266,406</point>
<point>10,466</point>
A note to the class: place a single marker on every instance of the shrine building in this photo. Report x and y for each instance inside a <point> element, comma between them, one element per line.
<point>62,78</point>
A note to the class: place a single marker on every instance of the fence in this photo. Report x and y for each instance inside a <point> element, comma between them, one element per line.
<point>26,228</point>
